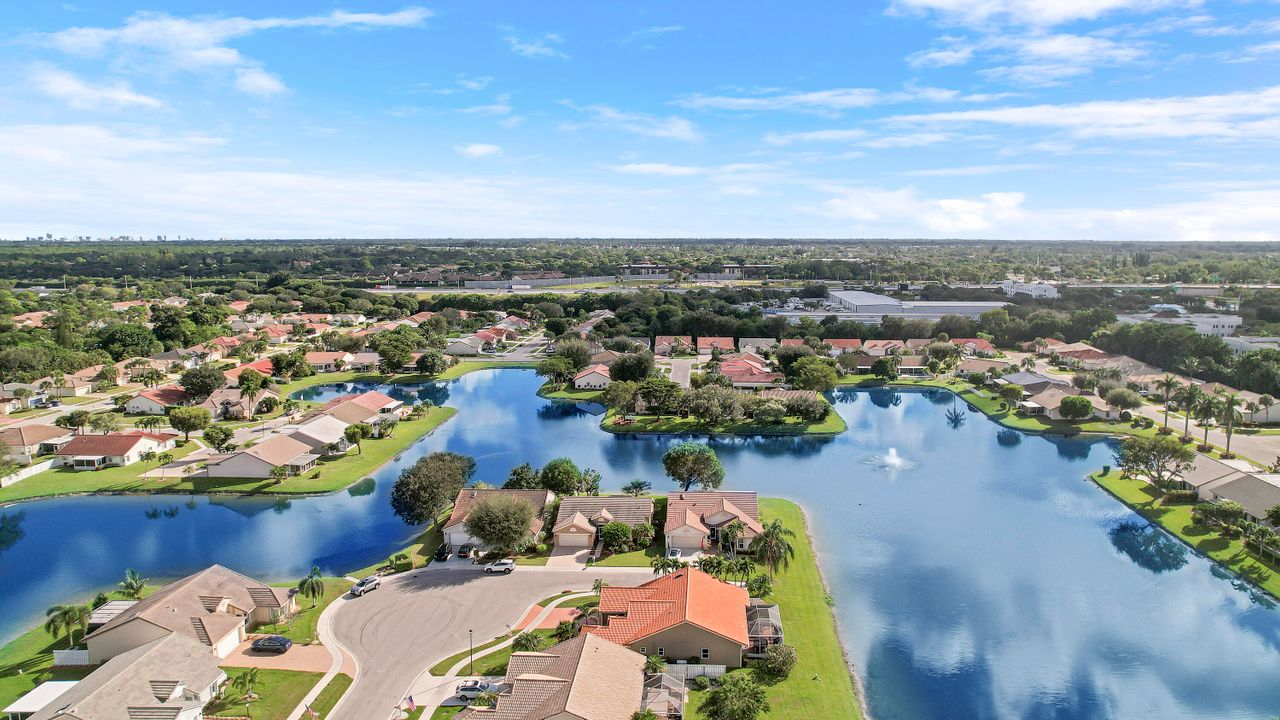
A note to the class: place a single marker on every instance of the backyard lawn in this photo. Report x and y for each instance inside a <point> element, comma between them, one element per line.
<point>1176,518</point>
<point>278,691</point>
<point>558,391</point>
<point>832,425</point>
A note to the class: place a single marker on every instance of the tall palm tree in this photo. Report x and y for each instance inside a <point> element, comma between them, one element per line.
<point>312,586</point>
<point>1028,362</point>
<point>247,395</point>
<point>1229,406</point>
<point>743,567</point>
<point>66,618</point>
<point>731,534</point>
<point>773,546</point>
<point>1191,366</point>
<point>1189,398</point>
<point>133,584</point>
<point>1206,411</point>
<point>712,565</point>
<point>245,681</point>
<point>598,585</point>
<point>1168,386</point>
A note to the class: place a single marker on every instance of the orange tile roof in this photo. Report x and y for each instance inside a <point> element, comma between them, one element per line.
<point>685,596</point>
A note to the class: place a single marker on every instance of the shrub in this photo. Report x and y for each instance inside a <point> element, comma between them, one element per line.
<point>770,412</point>
<point>779,660</point>
<point>977,378</point>
<point>1180,496</point>
<point>701,682</point>
<point>1125,416</point>
<point>616,537</point>
<point>811,408</point>
<point>642,535</point>
<point>540,548</point>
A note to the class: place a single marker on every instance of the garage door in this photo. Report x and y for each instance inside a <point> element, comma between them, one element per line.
<point>568,539</point>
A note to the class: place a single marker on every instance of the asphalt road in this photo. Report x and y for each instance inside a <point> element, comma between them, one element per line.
<point>416,619</point>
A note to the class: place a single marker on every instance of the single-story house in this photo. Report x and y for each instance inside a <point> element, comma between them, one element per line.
<point>580,516</point>
<point>973,365</point>
<point>755,345</point>
<point>840,346</point>
<point>179,358</point>
<point>27,442</point>
<point>455,528</point>
<point>1204,472</point>
<point>585,678</point>
<point>92,452</point>
<point>672,344</point>
<point>71,387</point>
<point>880,348</point>
<point>1045,346</point>
<point>260,460</point>
<point>593,377</point>
<point>262,366</point>
<point>465,346</point>
<point>914,366</point>
<point>325,362</point>
<point>364,361</point>
<point>685,615</point>
<point>706,345</point>
<point>156,401</point>
<point>974,346</point>
<point>1031,382</point>
<point>605,357</point>
<point>171,677</point>
<point>324,434</point>
<point>1048,402</point>
<point>214,607</point>
<point>695,519</point>
<point>228,404</point>
<point>1256,492</point>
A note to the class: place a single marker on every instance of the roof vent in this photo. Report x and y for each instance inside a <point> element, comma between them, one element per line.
<point>473,493</point>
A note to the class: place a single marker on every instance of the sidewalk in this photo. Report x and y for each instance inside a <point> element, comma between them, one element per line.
<point>340,661</point>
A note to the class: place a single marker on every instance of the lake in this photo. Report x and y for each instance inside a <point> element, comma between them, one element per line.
<point>976,574</point>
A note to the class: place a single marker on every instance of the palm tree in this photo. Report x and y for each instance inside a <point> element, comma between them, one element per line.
<point>743,567</point>
<point>247,395</point>
<point>312,586</point>
<point>147,458</point>
<point>599,585</point>
<point>133,584</point>
<point>1167,385</point>
<point>713,565</point>
<point>1189,398</point>
<point>1191,366</point>
<point>1206,411</point>
<point>1028,362</point>
<point>731,534</point>
<point>65,618</point>
<point>488,698</point>
<point>24,394</point>
<point>566,630</point>
<point>773,546</point>
<point>526,642</point>
<point>245,681</point>
<point>1229,406</point>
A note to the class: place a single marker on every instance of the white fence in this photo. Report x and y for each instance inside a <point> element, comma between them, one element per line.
<point>70,657</point>
<point>25,472</point>
<point>688,671</point>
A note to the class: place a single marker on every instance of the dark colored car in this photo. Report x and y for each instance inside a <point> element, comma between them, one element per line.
<point>443,552</point>
<point>466,550</point>
<point>272,643</point>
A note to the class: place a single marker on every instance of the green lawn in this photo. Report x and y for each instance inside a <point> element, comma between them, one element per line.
<point>635,558</point>
<point>331,693</point>
<point>442,667</point>
<point>279,692</point>
<point>301,626</point>
<point>671,425</point>
<point>497,661</point>
<point>420,550</point>
<point>1176,518</point>
<point>557,391</point>
<point>330,474</point>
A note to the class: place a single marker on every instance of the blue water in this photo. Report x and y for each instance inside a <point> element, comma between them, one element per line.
<point>975,576</point>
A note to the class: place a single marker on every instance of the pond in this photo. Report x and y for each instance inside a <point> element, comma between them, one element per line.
<point>975,573</point>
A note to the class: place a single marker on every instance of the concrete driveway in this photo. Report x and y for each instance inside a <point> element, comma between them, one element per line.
<point>419,618</point>
<point>308,658</point>
<point>568,557</point>
<point>681,368</point>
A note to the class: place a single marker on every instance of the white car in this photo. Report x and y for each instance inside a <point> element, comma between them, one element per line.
<point>470,689</point>
<point>674,553</point>
<point>501,566</point>
<point>364,585</point>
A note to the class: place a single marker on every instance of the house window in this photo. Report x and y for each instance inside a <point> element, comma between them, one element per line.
<point>662,652</point>
<point>705,654</point>
<point>644,650</point>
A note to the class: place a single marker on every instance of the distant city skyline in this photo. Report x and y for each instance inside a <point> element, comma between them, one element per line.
<point>1154,120</point>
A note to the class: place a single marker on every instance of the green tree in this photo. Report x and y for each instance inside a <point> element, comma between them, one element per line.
<point>356,434</point>
<point>1161,459</point>
<point>737,697</point>
<point>500,521</point>
<point>1230,408</point>
<point>1168,387</point>
<point>133,584</point>
<point>692,464</point>
<point>886,368</point>
<point>312,586</point>
<point>616,537</point>
<point>773,546</point>
<point>561,476</point>
<point>620,396</point>
<point>1075,407</point>
<point>245,681</point>
<point>201,382</point>
<point>660,395</point>
<point>74,420</point>
<point>104,422</point>
<point>760,586</point>
<point>1011,393</point>
<point>565,630</point>
<point>733,532</point>
<point>189,419</point>
<point>218,437</point>
<point>636,488</point>
<point>522,477</point>
<point>429,486</point>
<point>65,619</point>
<point>814,373</point>
<point>577,352</point>
<point>632,367</point>
<point>779,660</point>
<point>1124,399</point>
<point>526,642</point>
<point>556,369</point>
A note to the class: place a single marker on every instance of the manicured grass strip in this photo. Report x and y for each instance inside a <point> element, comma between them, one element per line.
<point>1176,518</point>
<point>635,558</point>
<point>556,391</point>
<point>420,550</point>
<point>442,667</point>
<point>495,663</point>
<point>334,474</point>
<point>330,695</point>
<point>278,691</point>
<point>466,366</point>
<point>671,425</point>
<point>301,626</point>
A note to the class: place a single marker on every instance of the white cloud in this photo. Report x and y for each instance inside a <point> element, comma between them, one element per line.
<point>1243,115</point>
<point>538,47</point>
<point>664,169</point>
<point>67,87</point>
<point>647,33</point>
<point>859,137</point>
<point>256,81</point>
<point>825,102</point>
<point>941,57</point>
<point>477,150</point>
<point>158,42</point>
<point>1025,12</point>
<point>841,135</point>
<point>1045,59</point>
<point>671,127</point>
<point>478,83</point>
<point>877,208</point>
<point>501,105</point>
<point>909,140</point>
<point>972,170</point>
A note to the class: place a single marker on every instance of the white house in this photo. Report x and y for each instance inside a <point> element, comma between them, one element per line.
<point>595,377</point>
<point>324,434</point>
<point>92,452</point>
<point>156,401</point>
<point>261,460</point>
<point>1041,291</point>
<point>468,346</point>
<point>455,528</point>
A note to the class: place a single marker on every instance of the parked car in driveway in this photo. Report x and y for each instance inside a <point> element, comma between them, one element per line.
<point>464,551</point>
<point>364,585</point>
<point>272,643</point>
<point>471,689</point>
<point>443,552</point>
<point>673,553</point>
<point>504,566</point>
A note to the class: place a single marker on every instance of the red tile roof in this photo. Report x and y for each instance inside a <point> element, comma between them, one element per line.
<point>167,395</point>
<point>708,343</point>
<point>685,596</point>
<point>791,342</point>
<point>844,343</point>
<point>602,369</point>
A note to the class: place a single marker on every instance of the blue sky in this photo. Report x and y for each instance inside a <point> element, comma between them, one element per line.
<point>1105,119</point>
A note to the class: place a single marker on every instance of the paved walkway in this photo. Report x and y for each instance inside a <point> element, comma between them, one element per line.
<point>681,369</point>
<point>537,621</point>
<point>339,661</point>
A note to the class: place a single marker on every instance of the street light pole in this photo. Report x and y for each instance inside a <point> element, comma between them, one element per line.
<point>472,641</point>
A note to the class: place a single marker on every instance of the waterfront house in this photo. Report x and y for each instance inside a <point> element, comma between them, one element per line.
<point>465,346</point>
<point>593,377</point>
<point>24,443</point>
<point>156,401</point>
<point>695,519</point>
<point>455,528</point>
<point>228,404</point>
<point>1048,402</point>
<point>214,607</point>
<point>580,517</point>
<point>325,435</point>
<point>685,615</point>
<point>93,452</point>
<point>260,461</point>
<point>326,362</point>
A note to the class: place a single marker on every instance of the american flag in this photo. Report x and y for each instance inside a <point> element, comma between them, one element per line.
<point>412,706</point>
